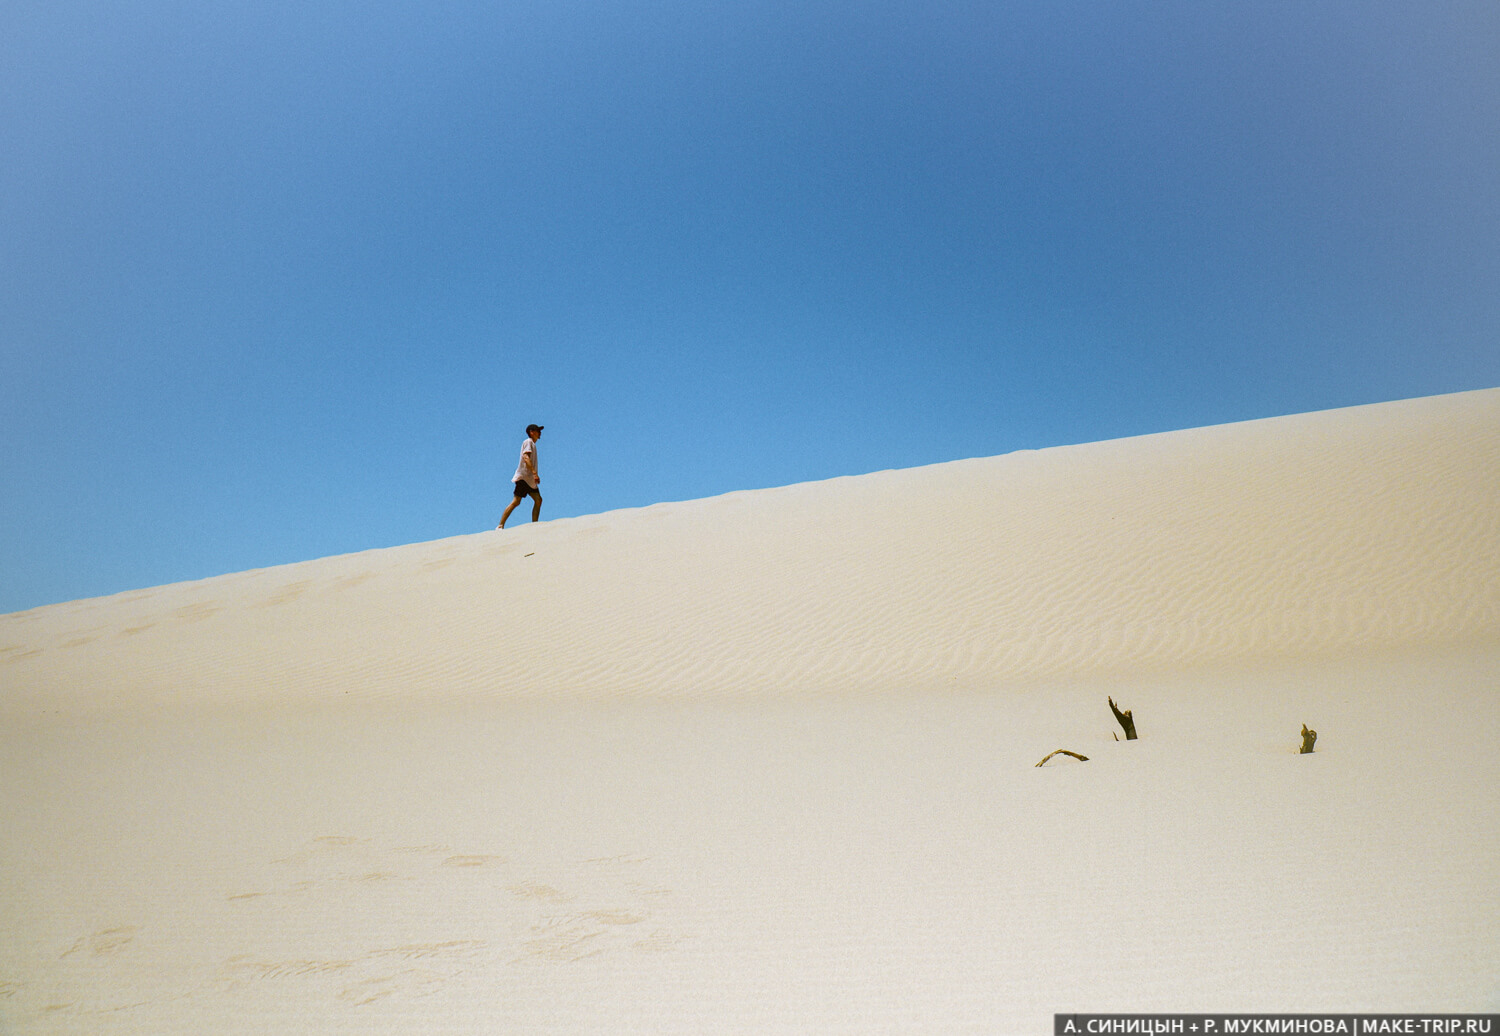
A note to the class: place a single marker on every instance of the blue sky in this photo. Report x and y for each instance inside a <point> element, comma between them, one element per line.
<point>288,279</point>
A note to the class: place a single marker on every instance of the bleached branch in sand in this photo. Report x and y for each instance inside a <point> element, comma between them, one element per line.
<point>1064,751</point>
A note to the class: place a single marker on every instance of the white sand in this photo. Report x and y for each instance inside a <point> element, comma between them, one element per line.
<point>764,762</point>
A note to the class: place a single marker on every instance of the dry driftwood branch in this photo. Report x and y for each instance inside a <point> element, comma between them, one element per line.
<point>1309,737</point>
<point>1125,720</point>
<point>1064,751</point>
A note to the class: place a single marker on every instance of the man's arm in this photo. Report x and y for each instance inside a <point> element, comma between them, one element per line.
<point>528,465</point>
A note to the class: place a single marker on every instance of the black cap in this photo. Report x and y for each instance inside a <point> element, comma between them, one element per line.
<point>533,428</point>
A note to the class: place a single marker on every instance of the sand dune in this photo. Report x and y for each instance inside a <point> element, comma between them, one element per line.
<point>764,762</point>
<point>1322,533</point>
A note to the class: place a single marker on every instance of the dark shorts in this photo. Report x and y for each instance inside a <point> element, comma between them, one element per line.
<point>522,489</point>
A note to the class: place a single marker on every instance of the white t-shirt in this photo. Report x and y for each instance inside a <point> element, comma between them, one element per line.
<point>522,475</point>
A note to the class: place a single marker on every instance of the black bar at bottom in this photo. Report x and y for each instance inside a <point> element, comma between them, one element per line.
<point>1276,1024</point>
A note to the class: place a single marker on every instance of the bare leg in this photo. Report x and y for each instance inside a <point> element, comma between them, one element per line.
<point>536,508</point>
<point>504,517</point>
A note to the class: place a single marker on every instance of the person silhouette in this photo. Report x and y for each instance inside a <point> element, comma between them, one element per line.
<point>526,479</point>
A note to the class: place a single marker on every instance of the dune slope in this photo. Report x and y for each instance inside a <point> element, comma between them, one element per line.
<point>1322,533</point>
<point>765,763</point>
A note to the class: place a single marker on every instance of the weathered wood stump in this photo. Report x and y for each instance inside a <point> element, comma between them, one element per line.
<point>1309,737</point>
<point>1064,751</point>
<point>1125,720</point>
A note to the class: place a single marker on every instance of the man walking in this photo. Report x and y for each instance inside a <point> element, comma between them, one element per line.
<point>528,482</point>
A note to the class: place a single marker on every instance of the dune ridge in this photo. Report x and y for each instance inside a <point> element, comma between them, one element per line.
<point>1366,528</point>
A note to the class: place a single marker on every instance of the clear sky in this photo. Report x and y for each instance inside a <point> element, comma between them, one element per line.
<point>288,278</point>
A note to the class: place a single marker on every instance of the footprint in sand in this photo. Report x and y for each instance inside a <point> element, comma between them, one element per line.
<point>472,861</point>
<point>553,920</point>
<point>575,937</point>
<point>410,971</point>
<point>535,890</point>
<point>197,611</point>
<point>104,943</point>
<point>289,592</point>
